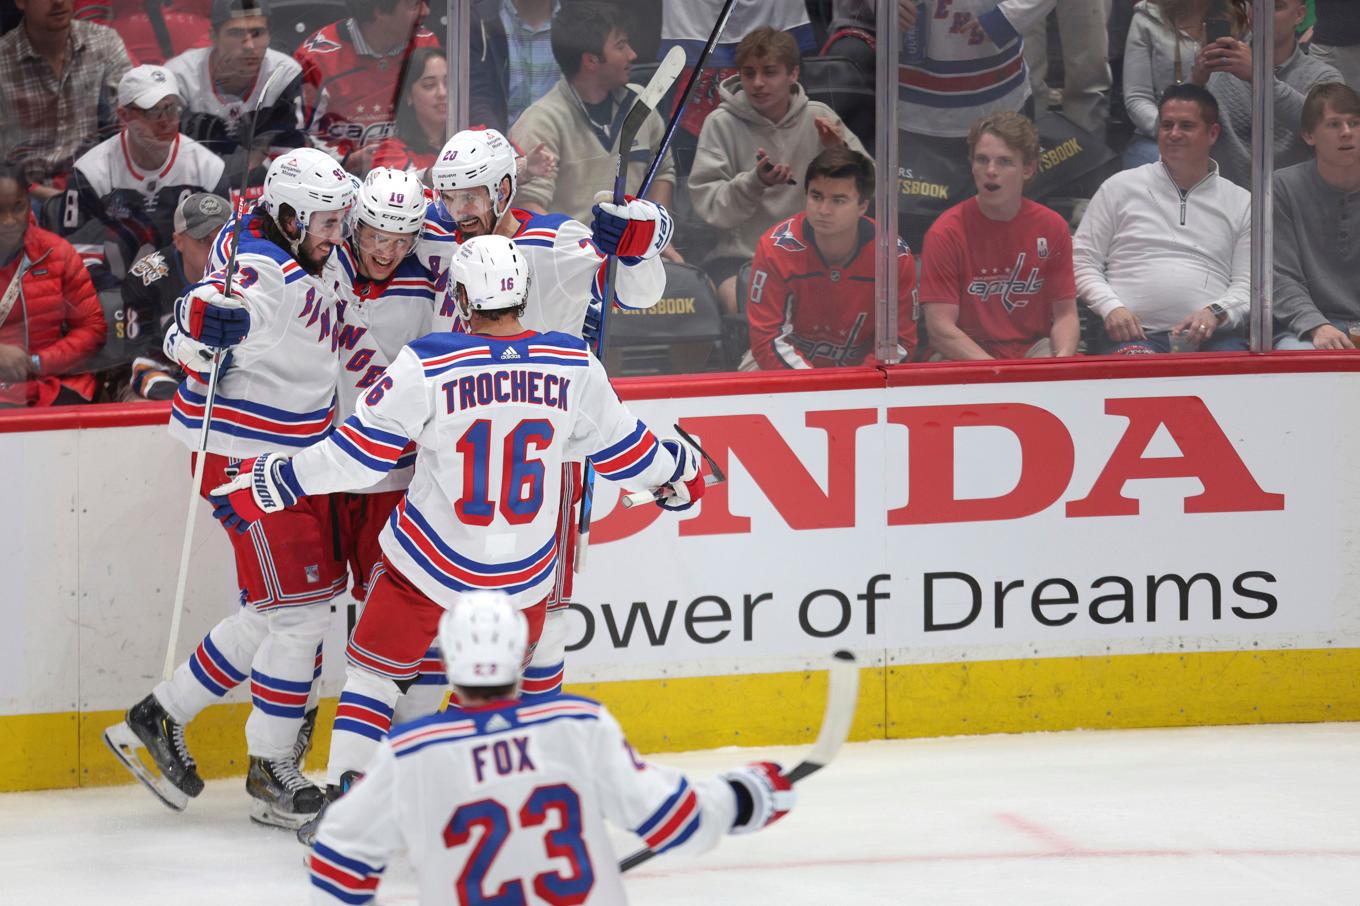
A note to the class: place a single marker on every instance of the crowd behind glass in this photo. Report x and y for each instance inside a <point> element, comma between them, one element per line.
<point>1073,174</point>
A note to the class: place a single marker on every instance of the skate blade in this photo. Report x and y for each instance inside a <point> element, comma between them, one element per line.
<point>123,743</point>
<point>265,814</point>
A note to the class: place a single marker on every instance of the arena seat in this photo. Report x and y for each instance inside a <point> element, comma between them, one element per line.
<point>680,335</point>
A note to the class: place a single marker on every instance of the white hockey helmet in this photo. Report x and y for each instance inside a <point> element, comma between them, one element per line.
<point>483,638</point>
<point>474,158</point>
<point>391,200</point>
<point>308,181</point>
<point>492,272</point>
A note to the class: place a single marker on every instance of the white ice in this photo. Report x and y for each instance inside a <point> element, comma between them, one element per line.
<point>1239,815</point>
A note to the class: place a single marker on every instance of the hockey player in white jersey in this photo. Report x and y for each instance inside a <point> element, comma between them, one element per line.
<point>387,300</point>
<point>276,392</point>
<point>475,178</point>
<point>494,414</point>
<point>504,800</point>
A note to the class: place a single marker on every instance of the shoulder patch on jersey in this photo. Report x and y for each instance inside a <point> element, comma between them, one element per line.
<point>319,43</point>
<point>151,267</point>
<point>784,238</point>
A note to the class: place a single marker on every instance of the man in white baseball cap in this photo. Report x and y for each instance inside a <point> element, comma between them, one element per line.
<point>128,186</point>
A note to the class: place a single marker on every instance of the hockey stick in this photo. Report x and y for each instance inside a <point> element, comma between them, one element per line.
<point>200,454</point>
<point>842,692</point>
<point>715,475</point>
<point>645,105</point>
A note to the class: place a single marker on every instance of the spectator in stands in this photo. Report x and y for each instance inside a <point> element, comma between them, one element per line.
<point>1317,267</point>
<point>57,82</point>
<point>153,284</point>
<point>750,148</point>
<point>221,84</point>
<point>687,24</point>
<point>422,118</point>
<point>1164,41</point>
<point>512,62</point>
<point>811,301</point>
<point>1336,38</point>
<point>1164,251</point>
<point>152,32</point>
<point>998,280</point>
<point>1224,67</point>
<point>1086,61</point>
<point>350,74</point>
<point>126,188</point>
<point>50,319</point>
<point>578,121</point>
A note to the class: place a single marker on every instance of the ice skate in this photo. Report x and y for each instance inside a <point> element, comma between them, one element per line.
<point>148,726</point>
<point>306,834</point>
<point>303,745</point>
<point>282,797</point>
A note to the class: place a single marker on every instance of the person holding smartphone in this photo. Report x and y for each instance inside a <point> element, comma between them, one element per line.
<point>1224,66</point>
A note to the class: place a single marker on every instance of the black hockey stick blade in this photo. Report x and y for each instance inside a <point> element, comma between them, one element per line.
<point>842,694</point>
<point>715,476</point>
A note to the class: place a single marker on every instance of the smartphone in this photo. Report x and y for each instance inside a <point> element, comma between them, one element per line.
<point>1216,28</point>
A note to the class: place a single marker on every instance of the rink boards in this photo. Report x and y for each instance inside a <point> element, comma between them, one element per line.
<point>1033,546</point>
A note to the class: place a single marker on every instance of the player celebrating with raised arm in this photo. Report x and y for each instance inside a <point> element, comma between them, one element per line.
<point>506,765</point>
<point>275,392</point>
<point>494,414</point>
<point>475,178</point>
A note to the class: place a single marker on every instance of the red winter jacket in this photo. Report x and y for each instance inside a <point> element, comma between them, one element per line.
<point>56,317</point>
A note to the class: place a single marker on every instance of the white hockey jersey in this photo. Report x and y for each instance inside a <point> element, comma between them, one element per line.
<point>493,418</point>
<point>376,321</point>
<point>566,271</point>
<point>510,799</point>
<point>277,394</point>
<point>200,94</point>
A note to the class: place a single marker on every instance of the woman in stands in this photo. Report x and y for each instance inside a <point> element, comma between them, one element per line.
<point>422,114</point>
<point>422,121</point>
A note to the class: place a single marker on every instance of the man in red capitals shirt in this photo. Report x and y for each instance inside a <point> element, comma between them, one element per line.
<point>998,282</point>
<point>351,72</point>
<point>811,299</point>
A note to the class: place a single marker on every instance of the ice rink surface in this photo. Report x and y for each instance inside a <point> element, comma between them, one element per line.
<point>1235,815</point>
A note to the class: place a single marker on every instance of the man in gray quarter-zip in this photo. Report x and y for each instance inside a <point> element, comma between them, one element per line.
<point>1164,251</point>
<point>1317,224</point>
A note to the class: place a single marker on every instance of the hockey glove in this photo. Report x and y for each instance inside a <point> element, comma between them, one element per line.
<point>590,329</point>
<point>686,485</point>
<point>263,485</point>
<point>193,356</point>
<point>635,231</point>
<point>764,795</point>
<point>211,318</point>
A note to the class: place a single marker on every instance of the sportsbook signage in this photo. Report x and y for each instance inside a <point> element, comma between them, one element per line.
<point>1000,517</point>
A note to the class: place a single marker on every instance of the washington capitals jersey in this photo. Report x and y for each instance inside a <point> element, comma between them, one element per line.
<point>113,199</point>
<point>804,313</point>
<point>215,119</point>
<point>377,320</point>
<point>349,97</point>
<point>277,394</point>
<point>510,797</point>
<point>566,270</point>
<point>493,418</point>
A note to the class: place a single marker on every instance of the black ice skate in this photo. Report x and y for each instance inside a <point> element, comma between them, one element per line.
<point>282,796</point>
<point>148,726</point>
<point>307,833</point>
<point>303,745</point>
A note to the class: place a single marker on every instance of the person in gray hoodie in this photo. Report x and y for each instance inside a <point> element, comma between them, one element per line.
<point>764,131</point>
<point>1224,67</point>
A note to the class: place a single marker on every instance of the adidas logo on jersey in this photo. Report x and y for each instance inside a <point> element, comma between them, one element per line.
<point>497,722</point>
<point>509,353</point>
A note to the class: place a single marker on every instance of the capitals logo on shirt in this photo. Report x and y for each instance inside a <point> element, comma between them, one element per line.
<point>1014,291</point>
<point>784,239</point>
<point>319,43</point>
